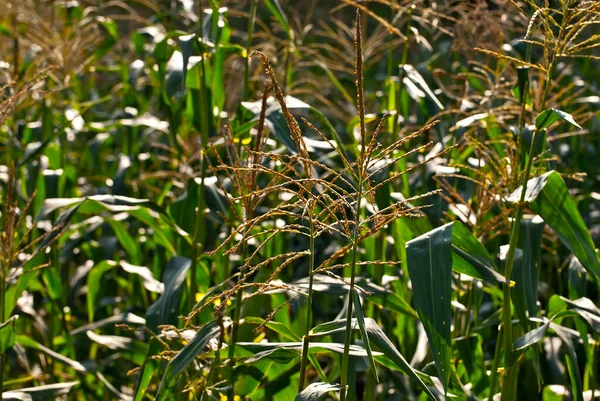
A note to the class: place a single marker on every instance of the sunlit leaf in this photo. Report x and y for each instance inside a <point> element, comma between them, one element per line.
<point>430,269</point>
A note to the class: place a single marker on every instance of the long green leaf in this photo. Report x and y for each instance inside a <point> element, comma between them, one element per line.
<point>527,277</point>
<point>185,357</point>
<point>549,116</point>
<point>379,339</point>
<point>40,393</point>
<point>166,309</point>
<point>430,269</point>
<point>548,196</point>
<point>360,318</point>
<point>470,257</point>
<point>532,337</point>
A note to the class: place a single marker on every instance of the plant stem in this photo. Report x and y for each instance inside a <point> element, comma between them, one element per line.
<point>360,102</point>
<point>348,332</point>
<point>403,60</point>
<point>509,385</point>
<point>305,340</point>
<point>200,224</point>
<point>2,319</point>
<point>235,325</point>
<point>251,19</point>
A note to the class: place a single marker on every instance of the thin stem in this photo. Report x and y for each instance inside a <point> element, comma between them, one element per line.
<point>235,325</point>
<point>305,340</point>
<point>348,333</point>
<point>251,19</point>
<point>2,320</point>
<point>361,167</point>
<point>200,224</point>
<point>403,60</point>
<point>509,385</point>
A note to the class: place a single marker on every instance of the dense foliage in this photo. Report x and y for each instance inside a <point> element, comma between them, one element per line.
<point>277,200</point>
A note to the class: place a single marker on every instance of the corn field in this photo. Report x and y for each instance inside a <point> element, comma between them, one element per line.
<point>378,200</point>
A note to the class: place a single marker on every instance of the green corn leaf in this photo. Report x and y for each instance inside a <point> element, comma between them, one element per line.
<point>577,279</point>
<point>530,242</point>
<point>94,284</point>
<point>548,196</point>
<point>8,333</point>
<point>40,393</point>
<point>419,83</point>
<point>58,229</point>
<point>29,343</point>
<point>275,8</point>
<point>430,269</point>
<point>378,338</point>
<point>249,378</point>
<point>185,357</point>
<point>549,116</point>
<point>531,337</point>
<point>517,295</point>
<point>148,369</point>
<point>572,362</point>
<point>166,309</point>
<point>378,295</point>
<point>519,91</point>
<point>470,257</point>
<point>316,391</point>
<point>360,318</point>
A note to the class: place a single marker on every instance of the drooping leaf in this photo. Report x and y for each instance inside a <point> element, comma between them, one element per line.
<point>360,318</point>
<point>377,338</point>
<point>572,362</point>
<point>43,392</point>
<point>166,309</point>
<point>28,342</point>
<point>8,333</point>
<point>316,391</point>
<point>276,10</point>
<point>532,337</point>
<point>577,278</point>
<point>125,317</point>
<point>415,78</point>
<point>549,116</point>
<point>58,228</point>
<point>378,295</point>
<point>185,357</point>
<point>94,284</point>
<point>430,269</point>
<point>470,257</point>
<point>548,196</point>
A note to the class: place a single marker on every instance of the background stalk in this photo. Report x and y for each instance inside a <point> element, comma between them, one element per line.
<point>510,383</point>
<point>305,339</point>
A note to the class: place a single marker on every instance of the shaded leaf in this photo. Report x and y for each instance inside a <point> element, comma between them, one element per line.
<point>8,333</point>
<point>185,357</point>
<point>166,309</point>
<point>532,337</point>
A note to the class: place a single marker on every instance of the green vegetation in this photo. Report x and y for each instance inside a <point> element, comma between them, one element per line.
<point>299,200</point>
